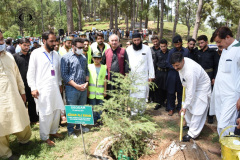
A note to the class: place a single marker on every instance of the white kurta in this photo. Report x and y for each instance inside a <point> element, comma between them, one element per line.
<point>39,78</point>
<point>14,117</point>
<point>141,65</point>
<point>198,87</point>
<point>197,95</point>
<point>226,89</point>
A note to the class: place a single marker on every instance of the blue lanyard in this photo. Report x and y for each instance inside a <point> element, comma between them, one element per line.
<point>49,58</point>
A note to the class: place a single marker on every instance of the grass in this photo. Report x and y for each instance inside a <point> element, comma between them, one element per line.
<point>66,148</point>
<point>215,138</point>
<point>71,149</point>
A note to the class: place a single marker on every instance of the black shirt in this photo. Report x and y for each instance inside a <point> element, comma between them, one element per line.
<point>10,49</point>
<point>161,60</point>
<point>207,60</point>
<point>22,63</point>
<point>154,52</point>
<point>32,48</point>
<point>193,54</point>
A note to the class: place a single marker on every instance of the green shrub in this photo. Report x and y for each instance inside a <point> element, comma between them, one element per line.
<point>130,132</point>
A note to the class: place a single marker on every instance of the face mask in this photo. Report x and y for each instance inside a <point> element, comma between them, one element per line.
<point>3,47</point>
<point>79,51</point>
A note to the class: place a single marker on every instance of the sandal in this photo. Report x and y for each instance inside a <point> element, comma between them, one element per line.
<point>57,135</point>
<point>50,143</point>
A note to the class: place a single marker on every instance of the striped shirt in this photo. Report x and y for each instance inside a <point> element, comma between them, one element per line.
<point>74,67</point>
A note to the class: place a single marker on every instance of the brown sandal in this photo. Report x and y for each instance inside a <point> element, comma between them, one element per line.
<point>57,135</point>
<point>50,143</point>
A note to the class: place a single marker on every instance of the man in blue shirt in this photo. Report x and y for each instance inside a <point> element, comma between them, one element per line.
<point>75,76</point>
<point>173,80</point>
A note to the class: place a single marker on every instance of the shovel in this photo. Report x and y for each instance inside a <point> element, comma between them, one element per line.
<point>182,115</point>
<point>183,150</point>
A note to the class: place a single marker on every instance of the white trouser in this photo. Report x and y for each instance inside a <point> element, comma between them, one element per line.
<point>48,124</point>
<point>230,123</point>
<point>141,103</point>
<point>195,123</point>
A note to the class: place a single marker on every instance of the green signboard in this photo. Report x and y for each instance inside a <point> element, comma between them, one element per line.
<point>79,114</point>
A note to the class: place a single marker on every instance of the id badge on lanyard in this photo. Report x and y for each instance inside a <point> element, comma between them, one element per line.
<point>52,70</point>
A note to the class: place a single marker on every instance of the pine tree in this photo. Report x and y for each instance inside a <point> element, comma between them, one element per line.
<point>130,132</point>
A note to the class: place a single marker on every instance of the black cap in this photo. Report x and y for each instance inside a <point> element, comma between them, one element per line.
<point>136,35</point>
<point>177,39</point>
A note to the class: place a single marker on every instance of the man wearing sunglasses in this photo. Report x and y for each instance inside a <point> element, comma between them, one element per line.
<point>75,76</point>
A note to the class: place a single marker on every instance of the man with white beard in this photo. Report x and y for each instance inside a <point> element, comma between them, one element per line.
<point>141,64</point>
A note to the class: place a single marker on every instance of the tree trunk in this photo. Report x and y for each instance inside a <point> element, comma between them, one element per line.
<point>120,16</point>
<point>127,23</point>
<point>172,11</point>
<point>238,32</point>
<point>79,7</point>
<point>99,2</point>
<point>146,19</point>
<point>141,15</point>
<point>146,22</point>
<point>60,8</point>
<point>89,10</point>
<point>116,16</point>
<point>188,22</point>
<point>158,17</point>
<point>167,11</point>
<point>126,16</point>
<point>111,16</point>
<point>198,19</point>
<point>94,11</point>
<point>133,15</point>
<point>69,16</point>
<point>136,13</point>
<point>188,33</point>
<point>176,18</point>
<point>42,16</point>
<point>161,23</point>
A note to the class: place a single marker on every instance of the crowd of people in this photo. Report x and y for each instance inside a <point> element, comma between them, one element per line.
<point>73,70</point>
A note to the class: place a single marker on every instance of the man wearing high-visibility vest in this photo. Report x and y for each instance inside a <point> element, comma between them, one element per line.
<point>97,82</point>
<point>87,51</point>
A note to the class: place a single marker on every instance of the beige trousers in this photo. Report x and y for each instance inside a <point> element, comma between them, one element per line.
<point>23,137</point>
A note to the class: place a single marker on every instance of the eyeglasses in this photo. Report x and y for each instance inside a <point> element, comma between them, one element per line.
<point>80,47</point>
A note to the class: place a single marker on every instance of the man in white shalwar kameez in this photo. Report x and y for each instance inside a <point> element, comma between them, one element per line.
<point>141,64</point>
<point>197,93</point>
<point>14,118</point>
<point>225,101</point>
<point>44,79</point>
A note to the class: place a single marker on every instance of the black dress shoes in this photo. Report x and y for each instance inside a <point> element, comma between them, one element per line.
<point>210,119</point>
<point>185,127</point>
<point>157,107</point>
<point>186,138</point>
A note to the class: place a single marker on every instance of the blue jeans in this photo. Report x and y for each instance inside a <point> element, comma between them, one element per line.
<point>75,97</point>
<point>93,102</point>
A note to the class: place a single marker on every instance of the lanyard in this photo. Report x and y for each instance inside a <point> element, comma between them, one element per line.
<point>49,58</point>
